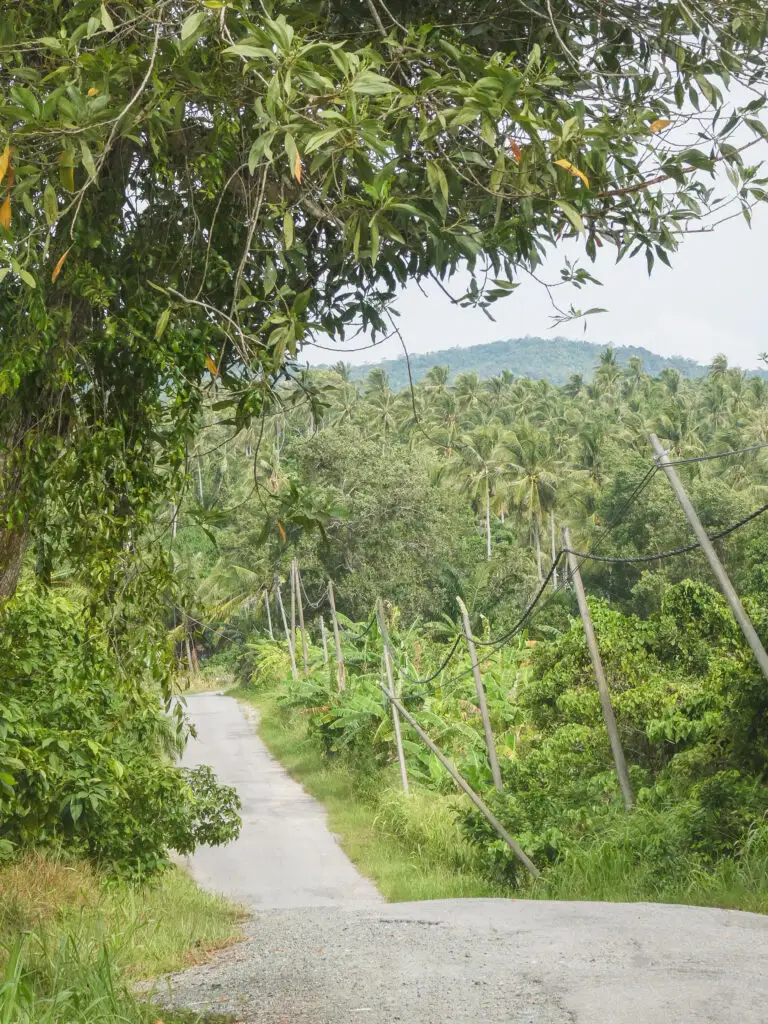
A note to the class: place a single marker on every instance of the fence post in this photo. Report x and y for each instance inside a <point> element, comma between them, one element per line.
<point>391,684</point>
<point>340,677</point>
<point>489,740</point>
<point>269,615</point>
<point>300,604</point>
<point>492,820</point>
<point>602,684</point>
<point>744,621</point>
<point>279,599</point>
<point>324,639</point>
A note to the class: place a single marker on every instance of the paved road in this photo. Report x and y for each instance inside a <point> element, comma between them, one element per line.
<point>285,856</point>
<point>442,962</point>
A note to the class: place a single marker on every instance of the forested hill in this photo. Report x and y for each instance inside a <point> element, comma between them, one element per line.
<point>553,359</point>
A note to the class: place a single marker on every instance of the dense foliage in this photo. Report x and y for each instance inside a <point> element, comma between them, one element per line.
<point>191,190</point>
<point>551,359</point>
<point>494,459</point>
<point>85,759</point>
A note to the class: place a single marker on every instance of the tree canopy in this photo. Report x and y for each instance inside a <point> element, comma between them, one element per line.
<point>191,190</point>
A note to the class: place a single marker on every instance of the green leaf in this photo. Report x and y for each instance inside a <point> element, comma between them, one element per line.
<point>368,83</point>
<point>270,276</point>
<point>374,242</point>
<point>191,24</point>
<point>88,161</point>
<point>572,214</point>
<point>4,272</point>
<point>288,230</point>
<point>292,152</point>
<point>106,20</point>
<point>319,139</point>
<point>437,179</point>
<point>50,204</point>
<point>248,50</point>
<point>27,278</point>
<point>162,323</point>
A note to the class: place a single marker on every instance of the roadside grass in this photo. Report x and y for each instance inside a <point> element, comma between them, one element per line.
<point>73,945</point>
<point>604,869</point>
<point>410,848</point>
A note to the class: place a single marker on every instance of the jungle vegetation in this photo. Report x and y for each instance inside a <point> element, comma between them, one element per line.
<point>189,192</point>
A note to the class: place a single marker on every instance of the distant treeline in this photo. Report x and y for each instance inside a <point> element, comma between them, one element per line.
<point>552,359</point>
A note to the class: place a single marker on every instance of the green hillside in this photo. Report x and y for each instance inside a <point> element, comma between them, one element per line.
<point>552,359</point>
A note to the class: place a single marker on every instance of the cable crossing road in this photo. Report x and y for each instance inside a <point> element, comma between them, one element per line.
<point>323,948</point>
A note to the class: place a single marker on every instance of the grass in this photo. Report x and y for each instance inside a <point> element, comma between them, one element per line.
<point>606,869</point>
<point>72,944</point>
<point>410,848</point>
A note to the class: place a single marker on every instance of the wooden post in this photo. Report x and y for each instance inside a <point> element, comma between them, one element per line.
<point>602,684</point>
<point>492,820</point>
<point>744,621</point>
<point>293,604</point>
<point>489,740</point>
<point>391,685</point>
<point>269,615</point>
<point>554,551</point>
<point>324,639</point>
<point>279,600</point>
<point>300,605</point>
<point>339,656</point>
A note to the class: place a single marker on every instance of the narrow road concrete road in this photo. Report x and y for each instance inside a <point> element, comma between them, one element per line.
<point>442,962</point>
<point>285,856</point>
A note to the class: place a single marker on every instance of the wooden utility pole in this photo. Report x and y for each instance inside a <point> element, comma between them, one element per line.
<point>554,551</point>
<point>744,621</point>
<point>293,603</point>
<point>602,684</point>
<point>391,694</point>
<point>300,605</point>
<point>492,820</point>
<point>279,599</point>
<point>324,639</point>
<point>340,677</point>
<point>269,615</point>
<point>489,740</point>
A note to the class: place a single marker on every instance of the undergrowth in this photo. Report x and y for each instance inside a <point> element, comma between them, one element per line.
<point>413,848</point>
<point>72,944</point>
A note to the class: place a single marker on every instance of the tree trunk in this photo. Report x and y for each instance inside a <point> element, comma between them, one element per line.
<point>488,520</point>
<point>13,545</point>
<point>537,542</point>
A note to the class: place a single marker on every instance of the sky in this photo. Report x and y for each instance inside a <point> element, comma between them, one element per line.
<point>714,299</point>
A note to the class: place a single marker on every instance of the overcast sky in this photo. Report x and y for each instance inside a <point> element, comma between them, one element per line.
<point>715,299</point>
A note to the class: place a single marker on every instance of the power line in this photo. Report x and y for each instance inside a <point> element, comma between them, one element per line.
<point>675,551</point>
<point>445,662</point>
<point>718,455</point>
<point>500,640</point>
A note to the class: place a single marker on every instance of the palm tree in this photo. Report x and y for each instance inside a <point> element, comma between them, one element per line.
<point>436,379</point>
<point>478,463</point>
<point>377,382</point>
<point>534,465</point>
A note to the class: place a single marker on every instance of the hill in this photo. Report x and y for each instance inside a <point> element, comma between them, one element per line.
<point>539,358</point>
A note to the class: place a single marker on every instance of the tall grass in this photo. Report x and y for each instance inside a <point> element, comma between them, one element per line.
<point>73,944</point>
<point>609,869</point>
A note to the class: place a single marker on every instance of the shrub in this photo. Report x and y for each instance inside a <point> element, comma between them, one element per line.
<point>85,757</point>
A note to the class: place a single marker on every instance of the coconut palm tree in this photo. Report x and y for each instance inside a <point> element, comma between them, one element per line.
<point>536,473</point>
